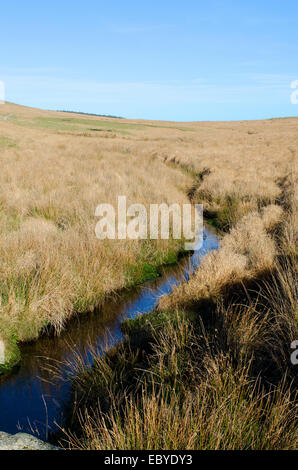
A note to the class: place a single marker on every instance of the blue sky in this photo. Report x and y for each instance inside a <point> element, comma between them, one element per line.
<point>164,59</point>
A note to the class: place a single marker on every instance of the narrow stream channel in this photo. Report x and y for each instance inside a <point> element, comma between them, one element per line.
<point>29,402</point>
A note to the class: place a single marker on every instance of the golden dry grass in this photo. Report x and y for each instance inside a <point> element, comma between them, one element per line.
<point>57,167</point>
<point>193,374</point>
<point>191,379</point>
<point>255,209</point>
<point>194,385</point>
<point>219,419</point>
<point>51,262</point>
<point>246,252</point>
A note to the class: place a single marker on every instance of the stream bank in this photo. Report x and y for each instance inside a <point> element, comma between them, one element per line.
<point>29,400</point>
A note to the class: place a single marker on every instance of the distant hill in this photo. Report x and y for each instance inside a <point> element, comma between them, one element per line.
<point>90,114</point>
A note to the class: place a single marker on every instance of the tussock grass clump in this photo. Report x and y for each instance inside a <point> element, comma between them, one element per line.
<point>222,414</point>
<point>246,252</point>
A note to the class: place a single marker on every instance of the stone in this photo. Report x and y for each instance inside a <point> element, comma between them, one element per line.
<point>23,441</point>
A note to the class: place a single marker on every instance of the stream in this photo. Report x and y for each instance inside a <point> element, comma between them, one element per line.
<point>29,400</point>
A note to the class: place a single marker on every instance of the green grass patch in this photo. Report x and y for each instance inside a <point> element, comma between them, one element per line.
<point>140,273</point>
<point>141,330</point>
<point>6,142</point>
<point>148,268</point>
<point>88,125</point>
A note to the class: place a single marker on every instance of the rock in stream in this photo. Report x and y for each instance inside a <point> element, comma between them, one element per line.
<point>23,441</point>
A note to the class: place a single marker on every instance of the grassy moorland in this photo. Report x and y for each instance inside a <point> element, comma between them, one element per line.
<point>210,368</point>
<point>55,169</point>
<point>211,372</point>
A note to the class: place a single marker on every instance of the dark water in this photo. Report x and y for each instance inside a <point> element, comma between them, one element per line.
<point>30,401</point>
